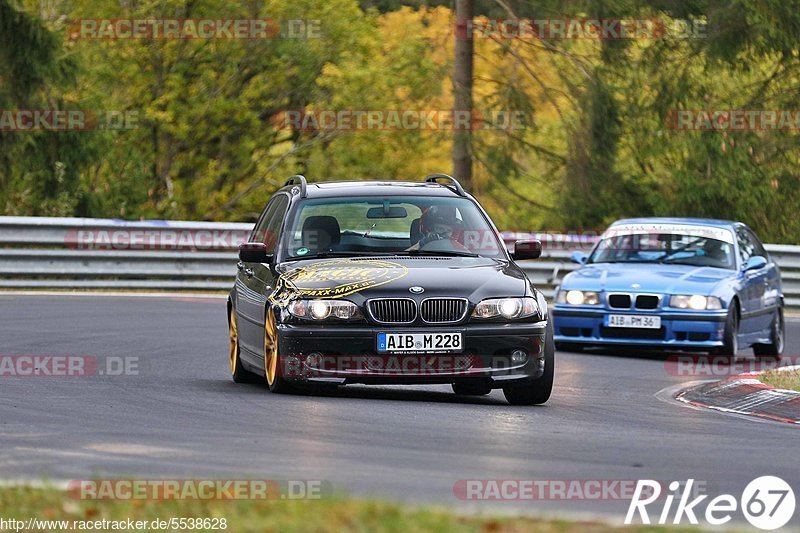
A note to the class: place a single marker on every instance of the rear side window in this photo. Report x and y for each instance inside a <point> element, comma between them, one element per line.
<point>269,225</point>
<point>273,229</point>
<point>758,248</point>
<point>746,245</point>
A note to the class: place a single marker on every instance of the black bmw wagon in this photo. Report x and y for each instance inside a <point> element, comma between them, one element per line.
<point>387,283</point>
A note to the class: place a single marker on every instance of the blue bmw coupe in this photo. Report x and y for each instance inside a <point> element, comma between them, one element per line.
<point>675,283</point>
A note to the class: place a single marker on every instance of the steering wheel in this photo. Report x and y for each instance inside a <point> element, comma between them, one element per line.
<point>442,244</point>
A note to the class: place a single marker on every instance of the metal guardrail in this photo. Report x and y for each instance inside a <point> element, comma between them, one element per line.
<point>85,253</point>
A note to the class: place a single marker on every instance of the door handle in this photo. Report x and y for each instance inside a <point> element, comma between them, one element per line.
<point>240,265</point>
<point>248,272</point>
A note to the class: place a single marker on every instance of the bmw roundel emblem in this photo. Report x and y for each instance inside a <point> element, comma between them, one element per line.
<point>635,286</point>
<point>416,289</point>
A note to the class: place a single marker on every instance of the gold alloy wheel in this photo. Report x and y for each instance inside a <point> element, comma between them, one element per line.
<point>233,333</point>
<point>270,347</point>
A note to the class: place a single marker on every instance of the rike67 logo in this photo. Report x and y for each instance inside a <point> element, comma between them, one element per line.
<point>768,503</point>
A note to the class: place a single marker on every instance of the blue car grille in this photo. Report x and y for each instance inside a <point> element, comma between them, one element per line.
<point>619,301</point>
<point>639,301</point>
<point>646,301</point>
<point>633,333</point>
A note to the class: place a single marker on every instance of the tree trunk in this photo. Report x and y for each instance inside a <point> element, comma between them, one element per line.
<point>462,92</point>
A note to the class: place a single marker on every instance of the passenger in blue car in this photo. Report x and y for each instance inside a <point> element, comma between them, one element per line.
<point>719,252</point>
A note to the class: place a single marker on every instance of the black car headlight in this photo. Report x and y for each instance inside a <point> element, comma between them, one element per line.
<point>508,308</point>
<point>325,310</point>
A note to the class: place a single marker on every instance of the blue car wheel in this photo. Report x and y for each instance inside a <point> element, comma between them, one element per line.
<point>730,338</point>
<point>774,348</point>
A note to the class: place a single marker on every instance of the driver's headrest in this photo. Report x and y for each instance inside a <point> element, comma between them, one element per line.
<point>319,232</point>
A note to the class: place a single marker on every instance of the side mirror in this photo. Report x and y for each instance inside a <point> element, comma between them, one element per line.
<point>527,250</point>
<point>254,252</point>
<point>578,257</point>
<point>754,263</point>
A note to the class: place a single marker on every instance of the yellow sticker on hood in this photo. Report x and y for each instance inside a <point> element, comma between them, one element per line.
<point>336,278</point>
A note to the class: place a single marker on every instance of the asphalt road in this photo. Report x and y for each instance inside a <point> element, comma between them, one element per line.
<point>182,417</point>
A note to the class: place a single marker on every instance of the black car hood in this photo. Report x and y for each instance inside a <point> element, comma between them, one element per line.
<point>358,279</point>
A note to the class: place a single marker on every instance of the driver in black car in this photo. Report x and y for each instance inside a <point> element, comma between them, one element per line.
<point>439,223</point>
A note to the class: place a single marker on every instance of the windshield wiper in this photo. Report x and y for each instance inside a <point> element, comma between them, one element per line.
<point>622,261</point>
<point>454,253</point>
<point>323,255</point>
<point>679,249</point>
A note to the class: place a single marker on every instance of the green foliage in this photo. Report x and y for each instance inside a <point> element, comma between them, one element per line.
<point>39,171</point>
<point>595,142</point>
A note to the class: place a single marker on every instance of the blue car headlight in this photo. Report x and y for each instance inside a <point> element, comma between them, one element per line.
<point>575,297</point>
<point>696,302</point>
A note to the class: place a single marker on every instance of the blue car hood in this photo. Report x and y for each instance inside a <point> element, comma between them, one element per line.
<point>655,277</point>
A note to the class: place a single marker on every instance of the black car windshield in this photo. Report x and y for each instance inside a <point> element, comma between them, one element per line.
<point>407,225</point>
<point>698,249</point>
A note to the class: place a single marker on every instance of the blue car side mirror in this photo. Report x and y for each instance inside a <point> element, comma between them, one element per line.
<point>754,263</point>
<point>579,257</point>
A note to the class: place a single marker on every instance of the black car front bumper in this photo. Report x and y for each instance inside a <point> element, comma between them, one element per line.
<point>347,353</point>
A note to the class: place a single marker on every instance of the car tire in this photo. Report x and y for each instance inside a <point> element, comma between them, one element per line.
<point>238,373</point>
<point>569,347</point>
<point>730,337</point>
<point>774,348</point>
<point>273,364</point>
<point>477,388</point>
<point>538,391</point>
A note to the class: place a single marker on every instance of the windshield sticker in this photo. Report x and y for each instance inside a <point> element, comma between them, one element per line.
<point>302,251</point>
<point>335,279</point>
<point>708,232</point>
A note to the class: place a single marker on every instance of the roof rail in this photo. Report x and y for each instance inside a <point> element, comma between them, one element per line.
<point>456,186</point>
<point>298,178</point>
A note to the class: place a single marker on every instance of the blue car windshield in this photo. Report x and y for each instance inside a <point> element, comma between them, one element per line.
<point>668,248</point>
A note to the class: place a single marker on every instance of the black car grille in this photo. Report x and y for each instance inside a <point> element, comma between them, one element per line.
<point>404,310</point>
<point>443,310</point>
<point>393,310</point>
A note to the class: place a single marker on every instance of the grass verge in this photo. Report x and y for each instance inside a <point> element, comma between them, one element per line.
<point>327,515</point>
<point>782,379</point>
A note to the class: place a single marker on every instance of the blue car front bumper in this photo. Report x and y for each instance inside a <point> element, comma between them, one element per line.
<point>679,330</point>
